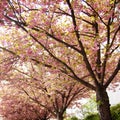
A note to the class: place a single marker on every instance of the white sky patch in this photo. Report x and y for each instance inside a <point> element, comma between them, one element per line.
<point>114,96</point>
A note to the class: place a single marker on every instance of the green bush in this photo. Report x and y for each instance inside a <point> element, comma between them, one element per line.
<point>73,118</point>
<point>115,111</point>
<point>92,117</point>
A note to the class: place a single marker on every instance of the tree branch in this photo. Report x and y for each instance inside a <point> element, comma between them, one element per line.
<point>7,50</point>
<point>114,36</point>
<point>113,75</point>
<point>39,103</point>
<point>88,66</point>
<point>60,61</point>
<point>82,81</point>
<point>33,59</point>
<point>95,12</point>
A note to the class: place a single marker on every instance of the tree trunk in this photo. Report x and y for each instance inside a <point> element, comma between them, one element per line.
<point>59,117</point>
<point>103,104</point>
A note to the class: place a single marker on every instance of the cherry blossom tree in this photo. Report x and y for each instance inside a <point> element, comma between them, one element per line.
<point>52,91</point>
<point>15,107</point>
<point>56,97</point>
<point>79,39</point>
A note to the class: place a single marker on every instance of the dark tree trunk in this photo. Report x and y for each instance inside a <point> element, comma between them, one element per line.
<point>103,104</point>
<point>59,117</point>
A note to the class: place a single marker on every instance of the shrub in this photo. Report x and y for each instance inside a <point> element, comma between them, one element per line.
<point>72,118</point>
<point>115,111</point>
<point>92,117</point>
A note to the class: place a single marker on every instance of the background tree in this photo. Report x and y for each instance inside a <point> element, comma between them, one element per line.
<point>80,37</point>
<point>14,109</point>
<point>16,106</point>
<point>56,97</point>
<point>53,94</point>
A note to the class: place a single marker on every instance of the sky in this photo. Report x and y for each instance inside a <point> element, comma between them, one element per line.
<point>114,96</point>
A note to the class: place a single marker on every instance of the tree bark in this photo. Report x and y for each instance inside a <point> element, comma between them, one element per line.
<point>59,117</point>
<point>103,104</point>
